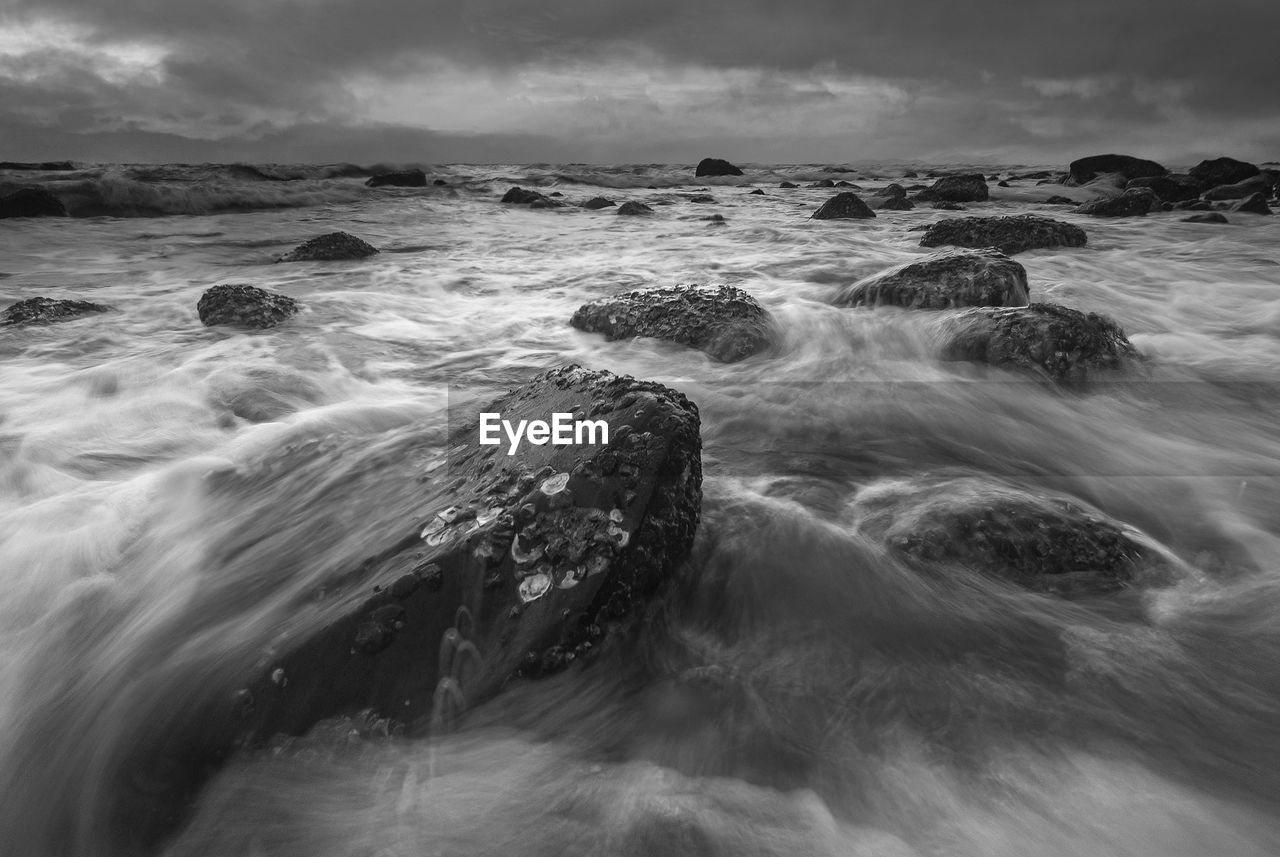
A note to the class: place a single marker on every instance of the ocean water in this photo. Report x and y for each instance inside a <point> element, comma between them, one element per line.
<point>800,691</point>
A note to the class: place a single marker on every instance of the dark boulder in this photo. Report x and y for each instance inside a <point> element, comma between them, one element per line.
<point>1059,200</point>
<point>910,174</point>
<point>716,167</point>
<point>598,202</point>
<point>1208,217</point>
<point>1240,190</point>
<point>520,196</point>
<point>1220,171</point>
<point>1084,170</point>
<point>440,183</point>
<point>1012,234</point>
<point>715,219</point>
<point>725,322</point>
<point>952,278</point>
<point>756,192</point>
<point>788,185</point>
<point>1002,183</point>
<point>701,198</point>
<point>890,203</point>
<point>970,188</point>
<point>31,202</point>
<point>1192,205</point>
<point>633,208</point>
<point>1052,341</point>
<point>842,206</point>
<point>1042,542</point>
<point>947,206</point>
<point>333,247</point>
<point>843,183</point>
<point>893,190</point>
<point>244,306</point>
<point>407,178</point>
<point>1134,202</point>
<point>1256,204</point>
<point>823,183</point>
<point>1170,188</point>
<point>47,310</point>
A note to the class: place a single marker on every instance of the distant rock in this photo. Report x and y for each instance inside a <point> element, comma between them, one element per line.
<point>1255,204</point>
<point>1037,174</point>
<point>532,198</point>
<point>788,185</point>
<point>715,219</point>
<point>756,192</point>
<point>909,174</point>
<point>1012,234</point>
<point>633,208</point>
<point>406,178</point>
<point>843,183</point>
<point>1052,341</point>
<point>725,322</point>
<point>1084,170</point>
<point>947,206</point>
<point>244,306</point>
<point>842,206</point>
<point>823,183</point>
<point>891,203</point>
<point>966,188</point>
<point>701,198</point>
<point>1002,183</point>
<point>48,310</point>
<point>1059,200</point>
<point>1240,190</point>
<point>598,202</point>
<point>1170,188</point>
<point>946,280</point>
<point>892,190</point>
<point>1208,217</point>
<point>1134,202</point>
<point>440,183</point>
<point>1192,205</point>
<point>716,167</point>
<point>333,247</point>
<point>39,167</point>
<point>1219,171</point>
<point>31,202</point>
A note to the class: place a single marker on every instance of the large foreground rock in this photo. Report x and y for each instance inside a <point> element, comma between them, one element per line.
<point>1219,171</point>
<point>1134,202</point>
<point>48,310</point>
<point>970,188</point>
<point>406,178</point>
<point>716,167</point>
<point>333,247</point>
<point>1038,541</point>
<point>1084,170</point>
<point>954,278</point>
<point>1062,344</point>
<point>31,202</point>
<point>244,306</point>
<point>1170,188</point>
<point>509,567</point>
<point>725,322</point>
<point>845,205</point>
<point>1240,190</point>
<point>1010,235</point>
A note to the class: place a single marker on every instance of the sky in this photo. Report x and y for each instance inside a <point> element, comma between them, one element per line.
<point>671,81</point>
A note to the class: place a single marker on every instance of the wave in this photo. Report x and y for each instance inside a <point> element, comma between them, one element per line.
<point>118,196</point>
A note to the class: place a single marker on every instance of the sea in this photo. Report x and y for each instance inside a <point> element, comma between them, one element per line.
<point>800,689</point>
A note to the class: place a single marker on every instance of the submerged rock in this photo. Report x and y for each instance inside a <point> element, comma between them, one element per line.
<point>406,178</point>
<point>1084,170</point>
<point>48,310</point>
<point>1038,541</point>
<point>725,322</point>
<point>1240,190</point>
<point>1058,199</point>
<point>970,188</point>
<point>31,202</point>
<point>1010,235</point>
<point>845,205</point>
<point>1134,202</point>
<point>333,247</point>
<point>1220,171</point>
<point>822,183</point>
<point>598,202</point>
<point>244,306</point>
<point>1062,344</point>
<point>953,278</point>
<point>1254,204</point>
<point>531,198</point>
<point>947,206</point>
<point>632,208</point>
<point>716,167</point>
<point>788,185</point>
<point>1209,217</point>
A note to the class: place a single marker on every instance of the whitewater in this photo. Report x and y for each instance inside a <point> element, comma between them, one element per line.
<point>799,690</point>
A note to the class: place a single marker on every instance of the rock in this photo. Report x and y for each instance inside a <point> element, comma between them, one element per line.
<point>1084,170</point>
<point>31,202</point>
<point>598,202</point>
<point>788,185</point>
<point>244,306</point>
<point>1210,217</point>
<point>634,208</point>
<point>1012,234</point>
<point>841,206</point>
<point>970,188</point>
<point>890,203</point>
<point>1256,204</point>
<point>892,191</point>
<point>953,278</point>
<point>910,174</point>
<point>1239,190</point>
<point>509,567</point>
<point>1220,171</point>
<point>716,167</point>
<point>1035,174</point>
<point>947,206</point>
<point>704,198</point>
<point>1062,344</point>
<point>1059,200</point>
<point>440,183</point>
<point>725,322</point>
<point>1170,188</point>
<point>1192,205</point>
<point>756,192</point>
<point>843,183</point>
<point>520,196</point>
<point>407,178</point>
<point>1002,183</point>
<point>1134,202</point>
<point>715,219</point>
<point>41,167</point>
<point>823,183</point>
<point>48,310</point>
<point>1042,542</point>
<point>332,247</point>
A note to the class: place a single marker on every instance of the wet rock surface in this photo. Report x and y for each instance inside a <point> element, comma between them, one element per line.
<point>405,178</point>
<point>244,306</point>
<point>48,310</point>
<point>1038,541</point>
<point>953,278</point>
<point>1061,344</point>
<point>1134,202</point>
<point>716,167</point>
<point>1253,204</point>
<point>1170,188</point>
<point>1084,170</point>
<point>847,205</point>
<point>31,202</point>
<point>970,188</point>
<point>598,202</point>
<point>1010,235</point>
<point>1240,190</point>
<point>1208,217</point>
<point>1213,172</point>
<point>531,198</point>
<point>333,247</point>
<point>631,208</point>
<point>725,322</point>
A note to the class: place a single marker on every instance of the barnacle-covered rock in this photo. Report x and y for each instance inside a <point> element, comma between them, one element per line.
<point>953,278</point>
<point>333,247</point>
<point>1010,234</point>
<point>1134,202</point>
<point>969,188</point>
<point>48,310</point>
<point>244,306</point>
<point>843,206</point>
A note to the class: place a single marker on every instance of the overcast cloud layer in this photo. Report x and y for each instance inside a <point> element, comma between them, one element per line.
<point>1026,81</point>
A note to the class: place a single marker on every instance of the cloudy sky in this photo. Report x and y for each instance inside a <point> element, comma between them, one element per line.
<point>1011,81</point>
